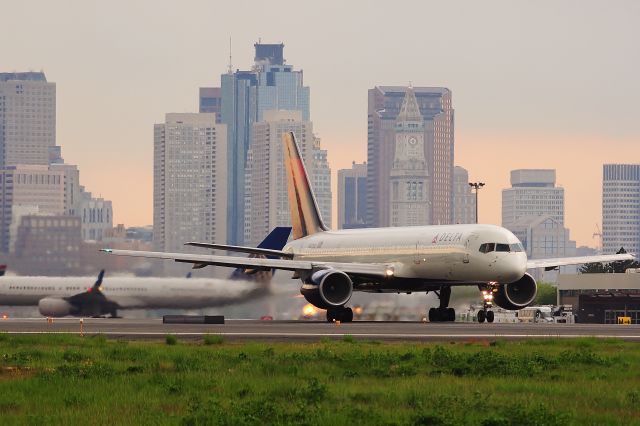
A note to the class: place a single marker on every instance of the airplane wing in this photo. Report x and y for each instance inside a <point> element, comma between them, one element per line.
<point>563,261</point>
<point>201,260</point>
<point>241,249</point>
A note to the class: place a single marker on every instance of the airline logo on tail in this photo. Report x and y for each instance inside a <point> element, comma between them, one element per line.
<point>305,215</point>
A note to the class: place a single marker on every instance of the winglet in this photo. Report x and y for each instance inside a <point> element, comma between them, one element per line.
<point>305,215</point>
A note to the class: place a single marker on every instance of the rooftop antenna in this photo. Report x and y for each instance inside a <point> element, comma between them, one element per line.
<point>230,70</point>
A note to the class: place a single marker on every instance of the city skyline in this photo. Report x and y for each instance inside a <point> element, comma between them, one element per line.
<point>540,85</point>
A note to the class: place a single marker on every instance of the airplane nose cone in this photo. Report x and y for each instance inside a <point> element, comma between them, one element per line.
<point>511,267</point>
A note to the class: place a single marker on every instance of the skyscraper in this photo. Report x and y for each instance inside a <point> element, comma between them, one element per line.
<point>321,181</point>
<point>28,190</point>
<point>96,215</point>
<point>384,104</point>
<point>532,193</point>
<point>533,209</point>
<point>464,201</point>
<point>267,202</point>
<point>352,196</point>
<point>621,208</point>
<point>27,119</point>
<point>189,191</point>
<point>410,185</point>
<point>246,96</point>
<point>31,162</point>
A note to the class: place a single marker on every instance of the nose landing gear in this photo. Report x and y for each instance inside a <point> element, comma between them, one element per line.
<point>486,313</point>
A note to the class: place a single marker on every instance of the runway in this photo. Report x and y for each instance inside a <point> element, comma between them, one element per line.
<point>154,329</point>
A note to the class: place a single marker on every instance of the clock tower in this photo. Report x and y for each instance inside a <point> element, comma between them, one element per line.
<point>409,178</point>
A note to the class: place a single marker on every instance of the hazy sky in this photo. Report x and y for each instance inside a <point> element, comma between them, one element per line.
<point>536,84</point>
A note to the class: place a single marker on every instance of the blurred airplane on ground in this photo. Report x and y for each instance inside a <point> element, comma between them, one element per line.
<point>62,296</point>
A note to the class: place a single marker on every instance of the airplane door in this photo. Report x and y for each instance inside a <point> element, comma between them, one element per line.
<point>468,246</point>
<point>419,256</point>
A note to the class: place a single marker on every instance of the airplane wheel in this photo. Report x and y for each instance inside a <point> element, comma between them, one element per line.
<point>433,315</point>
<point>451,314</point>
<point>481,316</point>
<point>490,316</point>
<point>331,315</point>
<point>347,315</point>
<point>340,314</point>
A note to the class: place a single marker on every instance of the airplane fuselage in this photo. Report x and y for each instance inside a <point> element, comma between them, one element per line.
<point>130,293</point>
<point>427,254</point>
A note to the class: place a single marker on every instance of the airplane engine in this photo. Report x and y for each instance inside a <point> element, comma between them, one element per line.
<point>518,294</point>
<point>328,288</point>
<point>54,307</point>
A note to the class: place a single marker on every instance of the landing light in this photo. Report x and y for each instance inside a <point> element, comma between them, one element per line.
<point>389,272</point>
<point>309,310</point>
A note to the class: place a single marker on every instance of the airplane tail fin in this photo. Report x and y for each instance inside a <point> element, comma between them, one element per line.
<point>98,282</point>
<point>305,215</point>
<point>3,269</point>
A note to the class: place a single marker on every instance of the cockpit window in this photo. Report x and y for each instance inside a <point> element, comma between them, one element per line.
<point>517,247</point>
<point>487,247</point>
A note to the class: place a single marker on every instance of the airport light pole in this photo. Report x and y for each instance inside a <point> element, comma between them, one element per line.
<point>476,186</point>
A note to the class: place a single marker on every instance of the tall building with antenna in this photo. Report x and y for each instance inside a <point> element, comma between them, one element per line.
<point>270,84</point>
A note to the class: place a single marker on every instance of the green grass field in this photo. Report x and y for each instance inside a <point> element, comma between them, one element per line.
<point>91,380</point>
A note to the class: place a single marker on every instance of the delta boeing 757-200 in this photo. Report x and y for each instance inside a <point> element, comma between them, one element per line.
<point>334,264</point>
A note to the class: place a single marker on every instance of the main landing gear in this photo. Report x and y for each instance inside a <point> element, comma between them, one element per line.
<point>443,312</point>
<point>486,313</point>
<point>341,314</point>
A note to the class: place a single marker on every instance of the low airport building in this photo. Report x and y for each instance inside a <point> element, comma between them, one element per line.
<point>601,298</point>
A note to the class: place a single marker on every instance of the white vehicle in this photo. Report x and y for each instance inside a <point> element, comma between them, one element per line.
<point>334,264</point>
<point>62,296</point>
<point>536,314</point>
<point>546,314</point>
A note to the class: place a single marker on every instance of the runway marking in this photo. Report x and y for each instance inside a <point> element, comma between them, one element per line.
<point>368,335</point>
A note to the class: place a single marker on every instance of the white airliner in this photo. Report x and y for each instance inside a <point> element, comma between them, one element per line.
<point>334,264</point>
<point>62,296</point>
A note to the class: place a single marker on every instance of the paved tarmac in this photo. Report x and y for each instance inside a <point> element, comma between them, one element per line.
<point>146,329</point>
